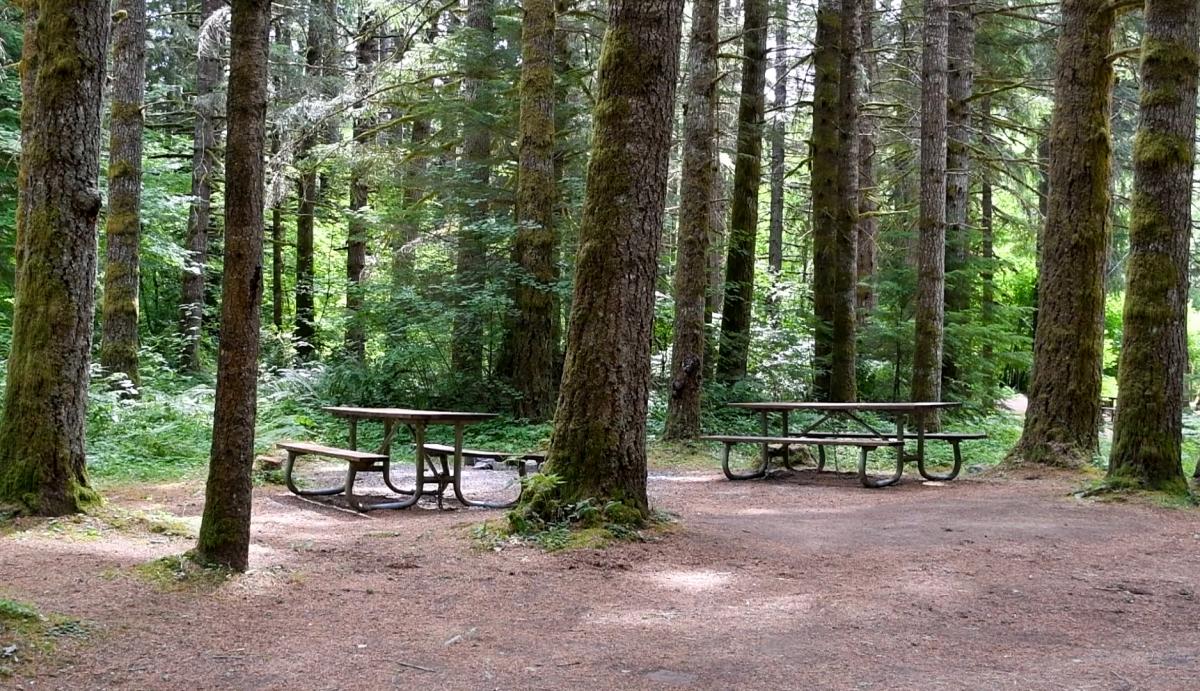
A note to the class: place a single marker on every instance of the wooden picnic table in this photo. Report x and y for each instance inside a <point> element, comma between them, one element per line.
<point>417,421</point>
<point>903,412</point>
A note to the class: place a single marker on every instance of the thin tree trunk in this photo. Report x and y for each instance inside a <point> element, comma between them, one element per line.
<point>277,240</point>
<point>119,339</point>
<point>868,127</point>
<point>695,222</point>
<point>204,165</point>
<point>470,270</point>
<point>778,142</point>
<point>747,177</point>
<point>599,442</point>
<point>42,461</point>
<point>307,191</point>
<point>530,347</point>
<point>959,83</point>
<point>1064,399</point>
<point>987,212</point>
<point>1148,432</point>
<point>356,241</point>
<point>931,245</point>
<point>224,537</point>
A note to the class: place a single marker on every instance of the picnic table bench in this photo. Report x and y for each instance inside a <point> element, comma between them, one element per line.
<point>865,446</point>
<point>866,440</point>
<point>448,476</point>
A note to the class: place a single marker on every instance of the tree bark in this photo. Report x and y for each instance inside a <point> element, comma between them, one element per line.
<point>931,247</point>
<point>530,347</point>
<point>599,442</point>
<point>42,461</point>
<point>119,338</point>
<point>747,177</point>
<point>844,358</point>
<point>205,145</point>
<point>698,195</point>
<point>825,182</point>
<point>835,198</point>
<point>868,127</point>
<point>1148,432</point>
<point>470,270</point>
<point>778,142</point>
<point>1064,399</point>
<point>360,190</point>
<point>959,84</point>
<point>305,328</point>
<point>225,526</point>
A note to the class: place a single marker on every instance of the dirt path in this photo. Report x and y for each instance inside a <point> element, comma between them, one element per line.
<point>795,582</point>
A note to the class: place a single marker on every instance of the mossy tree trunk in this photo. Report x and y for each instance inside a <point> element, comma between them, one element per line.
<point>835,198</point>
<point>960,80</point>
<point>119,335</point>
<point>530,344</point>
<point>205,147</point>
<point>470,271</point>
<point>599,441</point>
<point>42,462</point>
<point>747,177</point>
<point>1061,423</point>
<point>698,195</point>
<point>360,190</point>
<point>931,241</point>
<point>1147,433</point>
<point>868,128</point>
<point>778,141</point>
<point>225,526</point>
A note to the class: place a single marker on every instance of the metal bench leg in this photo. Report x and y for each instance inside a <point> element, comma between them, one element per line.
<point>351,474</point>
<point>948,476</point>
<point>871,482</point>
<point>761,472</point>
<point>290,465</point>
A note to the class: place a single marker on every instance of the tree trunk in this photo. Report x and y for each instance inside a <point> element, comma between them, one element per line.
<point>959,83</point>
<point>277,267</point>
<point>987,213</point>
<point>931,244</point>
<point>747,177</point>
<point>530,345</point>
<point>306,192</point>
<point>470,270</point>
<point>1064,399</point>
<point>1148,433</point>
<point>835,198</point>
<point>119,339</point>
<point>42,462</point>
<point>844,358</point>
<point>778,142</point>
<point>204,165</point>
<point>699,188</point>
<point>868,127</point>
<point>599,442</point>
<point>225,526</point>
<point>356,240</point>
<point>825,187</point>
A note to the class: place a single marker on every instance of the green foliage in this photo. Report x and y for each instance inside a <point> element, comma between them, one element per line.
<point>542,518</point>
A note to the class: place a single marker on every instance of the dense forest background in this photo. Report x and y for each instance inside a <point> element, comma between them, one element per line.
<point>392,277</point>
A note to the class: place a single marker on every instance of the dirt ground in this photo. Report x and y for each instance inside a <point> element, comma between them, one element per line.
<point>799,581</point>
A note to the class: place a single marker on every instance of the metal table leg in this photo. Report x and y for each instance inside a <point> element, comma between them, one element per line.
<point>872,483</point>
<point>761,472</point>
<point>456,478</point>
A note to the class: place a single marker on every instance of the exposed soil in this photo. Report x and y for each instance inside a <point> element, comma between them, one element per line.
<point>799,581</point>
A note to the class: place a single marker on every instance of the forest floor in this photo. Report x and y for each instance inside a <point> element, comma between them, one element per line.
<point>798,581</point>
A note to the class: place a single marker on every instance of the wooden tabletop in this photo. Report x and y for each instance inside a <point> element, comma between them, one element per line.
<point>432,417</point>
<point>884,407</point>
